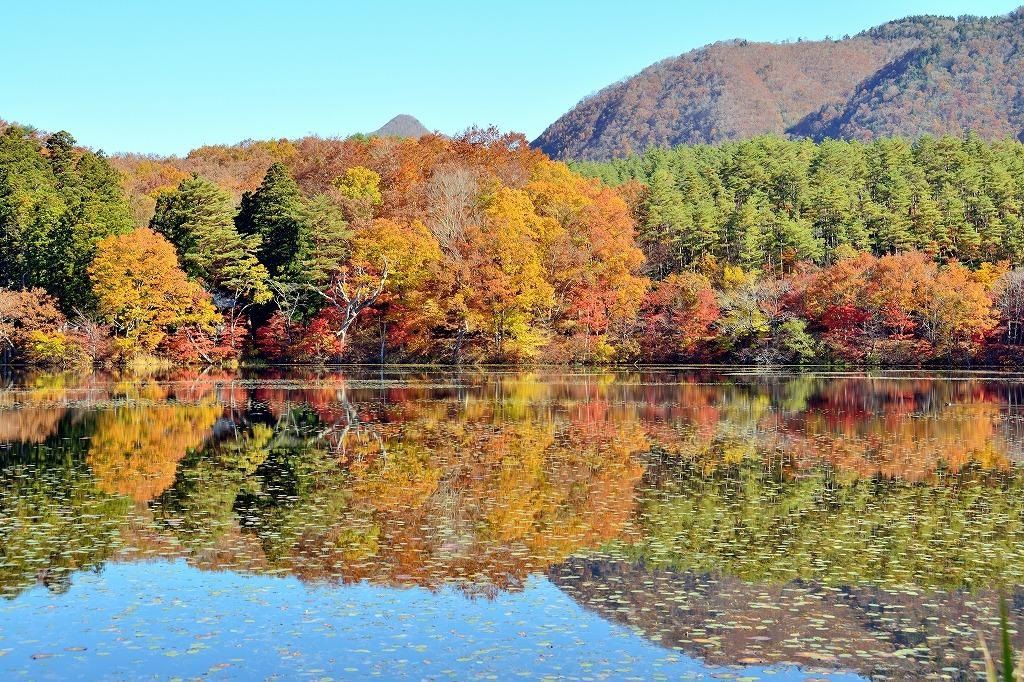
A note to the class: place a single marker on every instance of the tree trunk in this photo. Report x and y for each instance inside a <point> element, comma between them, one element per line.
<point>458,344</point>
<point>342,335</point>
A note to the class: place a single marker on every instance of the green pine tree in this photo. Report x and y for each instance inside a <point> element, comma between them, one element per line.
<point>323,242</point>
<point>891,196</point>
<point>198,218</point>
<point>667,217</point>
<point>273,212</point>
<point>56,203</point>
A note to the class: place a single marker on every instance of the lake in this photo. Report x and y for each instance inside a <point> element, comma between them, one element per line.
<point>423,524</point>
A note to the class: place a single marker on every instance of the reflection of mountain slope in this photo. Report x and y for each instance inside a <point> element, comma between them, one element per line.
<point>882,634</point>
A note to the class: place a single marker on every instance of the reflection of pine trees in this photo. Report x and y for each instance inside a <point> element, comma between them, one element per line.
<point>757,521</point>
<point>200,507</point>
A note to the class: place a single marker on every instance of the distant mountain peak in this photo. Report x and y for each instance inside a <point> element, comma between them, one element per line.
<point>402,125</point>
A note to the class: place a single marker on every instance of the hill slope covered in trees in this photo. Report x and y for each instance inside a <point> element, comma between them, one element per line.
<point>910,77</point>
<point>481,249</point>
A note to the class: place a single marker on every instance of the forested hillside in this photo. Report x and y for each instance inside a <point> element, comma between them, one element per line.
<point>481,249</point>
<point>910,77</point>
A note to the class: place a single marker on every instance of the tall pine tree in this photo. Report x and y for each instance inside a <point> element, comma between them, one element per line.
<point>274,213</point>
<point>667,217</point>
<point>323,242</point>
<point>198,218</point>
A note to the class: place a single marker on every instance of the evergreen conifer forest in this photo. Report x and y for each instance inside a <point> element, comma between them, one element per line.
<point>480,249</point>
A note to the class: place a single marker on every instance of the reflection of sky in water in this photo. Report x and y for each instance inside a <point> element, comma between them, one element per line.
<point>170,620</point>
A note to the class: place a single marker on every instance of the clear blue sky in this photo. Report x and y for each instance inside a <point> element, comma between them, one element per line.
<point>164,77</point>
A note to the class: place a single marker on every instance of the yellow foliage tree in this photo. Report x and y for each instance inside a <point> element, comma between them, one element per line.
<point>142,293</point>
<point>592,261</point>
<point>360,191</point>
<point>958,311</point>
<point>505,284</point>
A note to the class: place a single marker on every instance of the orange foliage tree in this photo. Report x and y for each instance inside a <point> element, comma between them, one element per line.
<point>902,307</point>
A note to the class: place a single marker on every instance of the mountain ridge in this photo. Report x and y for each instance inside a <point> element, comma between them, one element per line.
<point>911,76</point>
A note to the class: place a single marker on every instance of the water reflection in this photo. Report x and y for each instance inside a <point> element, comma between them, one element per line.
<point>713,499</point>
<point>876,632</point>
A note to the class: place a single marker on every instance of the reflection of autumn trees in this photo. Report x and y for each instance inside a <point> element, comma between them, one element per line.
<point>501,499</point>
<point>135,450</point>
<point>485,477</point>
<point>140,429</point>
<point>30,424</point>
<point>32,410</point>
<point>908,430</point>
<point>905,429</point>
<point>422,499</point>
<point>899,429</point>
<point>923,445</point>
<point>42,389</point>
<point>100,389</point>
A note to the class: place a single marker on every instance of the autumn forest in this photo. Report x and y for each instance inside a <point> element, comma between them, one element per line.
<point>480,249</point>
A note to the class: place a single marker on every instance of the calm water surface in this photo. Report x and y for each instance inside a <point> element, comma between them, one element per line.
<point>584,525</point>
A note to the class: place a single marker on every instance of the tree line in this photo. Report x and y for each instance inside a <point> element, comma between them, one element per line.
<point>461,250</point>
<point>769,201</point>
<point>481,249</point>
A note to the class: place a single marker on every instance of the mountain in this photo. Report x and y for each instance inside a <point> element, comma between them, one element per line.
<point>402,125</point>
<point>908,77</point>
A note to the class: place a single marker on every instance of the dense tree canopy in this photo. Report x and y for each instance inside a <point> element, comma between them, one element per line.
<point>480,249</point>
<point>56,203</point>
<point>272,213</point>
<point>767,202</point>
